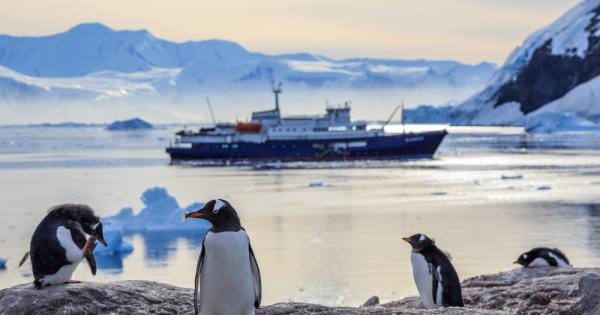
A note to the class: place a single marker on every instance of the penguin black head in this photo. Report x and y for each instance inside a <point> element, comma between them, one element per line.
<point>524,259</point>
<point>220,214</point>
<point>419,241</point>
<point>82,214</point>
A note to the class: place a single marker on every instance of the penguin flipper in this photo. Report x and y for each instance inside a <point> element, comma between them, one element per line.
<point>198,280</point>
<point>24,259</point>
<point>434,282</point>
<point>91,259</point>
<point>256,279</point>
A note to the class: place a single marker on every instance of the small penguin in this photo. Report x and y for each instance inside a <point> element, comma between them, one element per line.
<point>65,236</point>
<point>227,275</point>
<point>435,277</point>
<point>543,257</point>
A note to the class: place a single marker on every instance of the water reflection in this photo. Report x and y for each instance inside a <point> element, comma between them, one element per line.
<point>161,245</point>
<point>111,263</point>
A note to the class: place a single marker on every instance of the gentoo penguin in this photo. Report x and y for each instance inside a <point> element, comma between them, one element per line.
<point>434,274</point>
<point>65,236</point>
<point>543,257</point>
<point>227,275</point>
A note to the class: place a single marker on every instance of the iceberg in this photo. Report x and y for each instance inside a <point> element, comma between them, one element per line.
<point>130,124</point>
<point>161,212</point>
<point>548,122</point>
<point>116,244</point>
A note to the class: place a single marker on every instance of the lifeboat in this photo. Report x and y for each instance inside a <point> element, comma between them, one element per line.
<point>248,127</point>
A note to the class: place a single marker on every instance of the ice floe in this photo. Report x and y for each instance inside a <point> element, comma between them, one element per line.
<point>161,212</point>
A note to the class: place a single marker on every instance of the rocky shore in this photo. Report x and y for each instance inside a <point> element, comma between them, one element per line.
<point>520,291</point>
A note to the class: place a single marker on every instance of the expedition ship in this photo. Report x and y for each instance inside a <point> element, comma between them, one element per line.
<point>271,137</point>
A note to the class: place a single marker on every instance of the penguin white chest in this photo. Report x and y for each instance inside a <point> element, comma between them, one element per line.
<point>73,254</point>
<point>423,274</point>
<point>226,284</point>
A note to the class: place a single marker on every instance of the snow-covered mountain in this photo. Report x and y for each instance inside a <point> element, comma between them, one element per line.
<point>555,70</point>
<point>94,62</point>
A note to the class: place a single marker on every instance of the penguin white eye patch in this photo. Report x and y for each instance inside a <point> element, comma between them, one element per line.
<point>218,205</point>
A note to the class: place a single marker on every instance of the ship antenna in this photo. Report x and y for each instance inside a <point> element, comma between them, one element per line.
<point>390,118</point>
<point>212,114</point>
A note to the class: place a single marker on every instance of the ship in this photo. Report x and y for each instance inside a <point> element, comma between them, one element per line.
<point>269,137</point>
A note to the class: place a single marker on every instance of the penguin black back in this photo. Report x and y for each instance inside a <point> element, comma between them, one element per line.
<point>543,256</point>
<point>47,251</point>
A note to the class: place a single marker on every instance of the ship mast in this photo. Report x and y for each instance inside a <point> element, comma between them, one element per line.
<point>276,91</point>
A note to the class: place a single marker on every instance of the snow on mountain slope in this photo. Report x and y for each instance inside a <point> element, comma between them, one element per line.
<point>550,63</point>
<point>100,86</point>
<point>90,48</point>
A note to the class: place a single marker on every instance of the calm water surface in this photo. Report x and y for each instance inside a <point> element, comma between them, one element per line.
<point>339,243</point>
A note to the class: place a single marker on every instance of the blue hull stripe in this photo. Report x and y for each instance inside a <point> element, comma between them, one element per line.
<point>411,145</point>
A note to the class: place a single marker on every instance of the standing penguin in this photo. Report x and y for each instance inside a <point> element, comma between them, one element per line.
<point>436,279</point>
<point>227,275</point>
<point>543,257</point>
<point>61,241</point>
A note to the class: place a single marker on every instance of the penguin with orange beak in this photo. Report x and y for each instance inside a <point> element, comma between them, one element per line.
<point>435,277</point>
<point>66,236</point>
<point>227,275</point>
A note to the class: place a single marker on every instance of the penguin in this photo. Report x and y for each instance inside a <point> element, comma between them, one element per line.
<point>61,241</point>
<point>543,257</point>
<point>227,275</point>
<point>435,277</point>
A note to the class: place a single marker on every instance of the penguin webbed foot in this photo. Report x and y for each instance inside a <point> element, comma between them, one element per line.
<point>37,284</point>
<point>73,282</point>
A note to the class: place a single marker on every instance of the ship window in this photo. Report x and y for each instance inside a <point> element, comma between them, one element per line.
<point>225,146</point>
<point>234,146</point>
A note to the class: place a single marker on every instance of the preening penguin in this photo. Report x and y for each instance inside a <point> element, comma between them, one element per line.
<point>543,257</point>
<point>227,275</point>
<point>65,236</point>
<point>435,277</point>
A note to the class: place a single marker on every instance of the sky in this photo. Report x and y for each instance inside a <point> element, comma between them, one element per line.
<point>465,30</point>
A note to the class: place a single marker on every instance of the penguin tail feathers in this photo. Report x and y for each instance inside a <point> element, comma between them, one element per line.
<point>24,259</point>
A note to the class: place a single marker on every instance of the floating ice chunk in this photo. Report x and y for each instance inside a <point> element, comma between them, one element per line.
<point>113,236</point>
<point>544,187</point>
<point>315,184</point>
<point>161,212</point>
<point>130,124</point>
<point>2,263</point>
<point>512,177</point>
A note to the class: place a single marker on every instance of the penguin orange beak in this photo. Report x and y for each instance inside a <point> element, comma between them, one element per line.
<point>407,239</point>
<point>101,240</point>
<point>195,215</point>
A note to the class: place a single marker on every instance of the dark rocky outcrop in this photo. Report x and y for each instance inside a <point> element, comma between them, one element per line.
<point>520,291</point>
<point>548,77</point>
